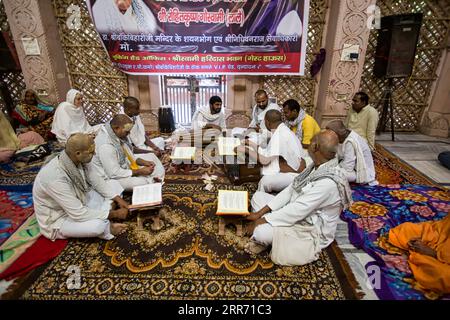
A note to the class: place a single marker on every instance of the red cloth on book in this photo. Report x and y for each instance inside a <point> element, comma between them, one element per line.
<point>42,251</point>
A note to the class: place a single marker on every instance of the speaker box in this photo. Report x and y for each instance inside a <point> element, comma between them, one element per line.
<point>8,56</point>
<point>396,45</point>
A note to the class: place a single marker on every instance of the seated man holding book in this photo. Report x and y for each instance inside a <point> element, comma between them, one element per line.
<point>69,205</point>
<point>114,159</point>
<point>301,220</point>
<point>282,159</point>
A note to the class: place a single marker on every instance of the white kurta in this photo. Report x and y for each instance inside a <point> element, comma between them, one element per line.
<point>260,114</point>
<point>283,143</point>
<point>199,121</point>
<point>55,201</point>
<point>300,225</point>
<point>349,158</point>
<point>105,164</point>
<point>109,19</point>
<point>137,135</point>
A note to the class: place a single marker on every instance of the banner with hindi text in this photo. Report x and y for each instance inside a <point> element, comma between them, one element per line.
<point>203,36</point>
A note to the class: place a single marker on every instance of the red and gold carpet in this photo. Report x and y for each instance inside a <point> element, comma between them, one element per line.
<point>187,259</point>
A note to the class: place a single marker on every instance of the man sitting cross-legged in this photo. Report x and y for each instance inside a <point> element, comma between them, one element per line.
<point>139,139</point>
<point>354,155</point>
<point>428,247</point>
<point>66,203</point>
<point>114,159</point>
<point>281,159</point>
<point>301,220</point>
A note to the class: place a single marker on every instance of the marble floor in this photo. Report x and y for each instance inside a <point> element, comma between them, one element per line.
<point>420,152</point>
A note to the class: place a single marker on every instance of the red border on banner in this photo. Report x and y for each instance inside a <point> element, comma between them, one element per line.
<point>168,63</point>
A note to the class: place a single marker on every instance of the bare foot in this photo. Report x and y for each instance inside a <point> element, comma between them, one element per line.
<point>117,228</point>
<point>253,247</point>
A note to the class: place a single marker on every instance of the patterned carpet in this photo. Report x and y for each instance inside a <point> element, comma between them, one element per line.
<point>19,176</point>
<point>188,260</point>
<point>378,209</point>
<point>18,226</point>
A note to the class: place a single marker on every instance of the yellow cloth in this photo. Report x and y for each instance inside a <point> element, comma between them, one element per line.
<point>364,123</point>
<point>309,127</point>
<point>8,138</point>
<point>133,164</point>
<point>432,274</point>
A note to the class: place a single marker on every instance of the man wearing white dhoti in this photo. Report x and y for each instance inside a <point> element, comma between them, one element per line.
<point>69,118</point>
<point>67,204</point>
<point>354,154</point>
<point>301,220</point>
<point>123,16</point>
<point>138,136</point>
<point>210,117</point>
<point>114,158</point>
<point>282,158</point>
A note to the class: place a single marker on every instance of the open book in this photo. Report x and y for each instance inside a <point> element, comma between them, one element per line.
<point>183,153</point>
<point>226,145</point>
<point>232,203</point>
<point>146,196</point>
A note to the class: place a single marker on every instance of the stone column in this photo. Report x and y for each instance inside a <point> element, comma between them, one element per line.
<point>46,71</point>
<point>340,80</point>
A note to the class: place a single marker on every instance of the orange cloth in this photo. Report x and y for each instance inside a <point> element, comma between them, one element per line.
<point>430,273</point>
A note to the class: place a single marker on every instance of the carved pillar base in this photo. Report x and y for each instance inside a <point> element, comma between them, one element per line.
<point>43,71</point>
<point>340,80</point>
<point>436,125</point>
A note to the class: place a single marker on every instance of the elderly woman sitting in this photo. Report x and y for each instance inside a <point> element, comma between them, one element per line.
<point>70,118</point>
<point>10,142</point>
<point>33,114</point>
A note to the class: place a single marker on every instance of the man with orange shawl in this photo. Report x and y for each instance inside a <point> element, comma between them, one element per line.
<point>428,244</point>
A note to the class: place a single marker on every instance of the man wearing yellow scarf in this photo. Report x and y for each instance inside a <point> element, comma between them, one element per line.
<point>114,158</point>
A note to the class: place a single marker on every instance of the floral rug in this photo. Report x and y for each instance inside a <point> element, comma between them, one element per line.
<point>377,209</point>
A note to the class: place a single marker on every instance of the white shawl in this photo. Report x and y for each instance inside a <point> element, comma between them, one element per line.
<point>203,116</point>
<point>362,175</point>
<point>69,119</point>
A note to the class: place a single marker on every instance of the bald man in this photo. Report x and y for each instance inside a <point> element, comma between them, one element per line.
<point>66,203</point>
<point>138,136</point>
<point>301,220</point>
<point>115,160</point>
<point>354,154</point>
<point>282,159</point>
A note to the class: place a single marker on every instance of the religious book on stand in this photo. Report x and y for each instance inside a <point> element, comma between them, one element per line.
<point>231,202</point>
<point>149,195</point>
<point>226,145</point>
<point>183,153</point>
